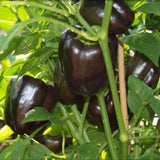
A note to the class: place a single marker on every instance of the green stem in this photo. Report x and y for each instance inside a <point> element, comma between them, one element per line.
<point>84,113</point>
<point>37,5</point>
<point>78,118</point>
<point>103,41</point>
<point>76,13</point>
<point>107,129</point>
<point>137,116</point>
<point>84,23</point>
<point>70,125</point>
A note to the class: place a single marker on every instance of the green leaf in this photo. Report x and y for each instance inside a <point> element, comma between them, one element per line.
<point>7,38</point>
<point>140,88</point>
<point>87,151</point>
<point>22,13</point>
<point>152,7</point>
<point>138,96</point>
<point>149,156</point>
<point>146,43</point>
<point>15,151</point>
<point>7,18</point>
<point>40,114</point>
<point>37,152</point>
<point>154,103</point>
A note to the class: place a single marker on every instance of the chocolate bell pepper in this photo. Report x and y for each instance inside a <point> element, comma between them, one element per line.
<point>23,96</point>
<point>83,64</point>
<point>54,143</point>
<point>121,16</point>
<point>143,68</point>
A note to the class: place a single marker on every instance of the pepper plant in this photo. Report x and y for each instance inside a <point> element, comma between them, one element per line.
<point>79,79</point>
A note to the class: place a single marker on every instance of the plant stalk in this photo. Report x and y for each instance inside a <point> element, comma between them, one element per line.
<point>78,118</point>
<point>103,41</point>
<point>107,129</point>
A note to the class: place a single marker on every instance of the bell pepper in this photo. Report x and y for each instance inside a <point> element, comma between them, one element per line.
<point>121,18</point>
<point>94,112</point>
<point>24,95</point>
<point>82,64</point>
<point>143,68</point>
<point>64,93</point>
<point>54,143</point>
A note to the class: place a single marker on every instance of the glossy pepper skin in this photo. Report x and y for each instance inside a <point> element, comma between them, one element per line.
<point>83,64</point>
<point>121,16</point>
<point>142,67</point>
<point>24,96</point>
<point>54,143</point>
<point>64,93</point>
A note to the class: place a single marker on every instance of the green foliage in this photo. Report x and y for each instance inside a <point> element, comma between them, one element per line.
<point>87,151</point>
<point>40,114</point>
<point>146,43</point>
<point>152,7</point>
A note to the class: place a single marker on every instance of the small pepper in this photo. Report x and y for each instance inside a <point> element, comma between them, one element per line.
<point>23,96</point>
<point>54,143</point>
<point>143,68</point>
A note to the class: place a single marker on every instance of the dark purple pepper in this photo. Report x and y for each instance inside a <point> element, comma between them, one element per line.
<point>83,64</point>
<point>23,96</point>
<point>143,68</point>
<point>121,16</point>
<point>54,143</point>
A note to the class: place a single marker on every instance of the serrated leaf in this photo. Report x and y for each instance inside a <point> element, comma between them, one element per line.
<point>146,43</point>
<point>87,151</point>
<point>152,7</point>
<point>40,114</point>
<point>27,44</point>
<point>37,152</point>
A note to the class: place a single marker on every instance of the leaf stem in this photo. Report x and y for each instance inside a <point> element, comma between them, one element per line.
<point>137,116</point>
<point>84,113</point>
<point>78,118</point>
<point>70,125</point>
<point>107,129</point>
